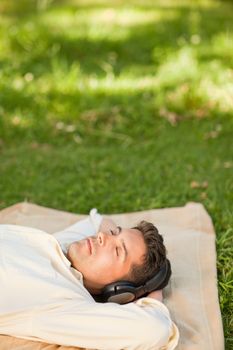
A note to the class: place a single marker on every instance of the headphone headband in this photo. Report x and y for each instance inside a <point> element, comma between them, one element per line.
<point>123,292</point>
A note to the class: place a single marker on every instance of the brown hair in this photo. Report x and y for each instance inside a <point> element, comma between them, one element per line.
<point>155,256</point>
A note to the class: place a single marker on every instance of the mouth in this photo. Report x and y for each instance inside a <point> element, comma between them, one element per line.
<point>89,245</point>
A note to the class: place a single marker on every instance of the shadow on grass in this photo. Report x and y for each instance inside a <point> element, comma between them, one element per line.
<point>144,45</point>
<point>145,48</point>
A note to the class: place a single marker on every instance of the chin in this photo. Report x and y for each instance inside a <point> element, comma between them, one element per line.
<point>70,252</point>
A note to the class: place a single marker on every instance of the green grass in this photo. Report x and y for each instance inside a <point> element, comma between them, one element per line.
<point>122,106</point>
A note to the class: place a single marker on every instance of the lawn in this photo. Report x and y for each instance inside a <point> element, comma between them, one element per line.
<point>122,106</point>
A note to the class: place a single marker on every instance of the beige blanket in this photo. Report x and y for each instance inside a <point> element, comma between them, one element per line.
<point>191,295</point>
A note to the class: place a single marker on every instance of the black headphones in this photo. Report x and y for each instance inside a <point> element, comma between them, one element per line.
<point>123,292</point>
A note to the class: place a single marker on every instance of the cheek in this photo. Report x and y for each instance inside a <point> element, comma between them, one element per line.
<point>71,253</point>
<point>104,262</point>
<point>104,267</point>
<point>76,253</point>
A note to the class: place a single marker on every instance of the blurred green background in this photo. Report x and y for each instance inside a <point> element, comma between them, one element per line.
<point>122,106</point>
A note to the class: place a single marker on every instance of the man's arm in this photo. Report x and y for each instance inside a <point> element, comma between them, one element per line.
<point>157,294</point>
<point>81,229</point>
<point>144,325</point>
<point>107,225</point>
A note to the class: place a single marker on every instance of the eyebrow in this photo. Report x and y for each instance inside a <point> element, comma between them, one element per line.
<point>123,243</point>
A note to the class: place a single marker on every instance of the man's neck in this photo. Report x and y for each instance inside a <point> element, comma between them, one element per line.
<point>91,289</point>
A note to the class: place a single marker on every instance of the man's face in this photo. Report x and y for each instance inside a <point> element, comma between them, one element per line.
<point>107,257</point>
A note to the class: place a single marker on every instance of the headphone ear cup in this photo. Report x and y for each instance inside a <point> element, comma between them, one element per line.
<point>120,292</point>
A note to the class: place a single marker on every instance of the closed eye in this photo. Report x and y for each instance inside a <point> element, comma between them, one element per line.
<point>115,233</point>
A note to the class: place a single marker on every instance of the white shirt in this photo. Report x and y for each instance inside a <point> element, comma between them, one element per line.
<point>43,298</point>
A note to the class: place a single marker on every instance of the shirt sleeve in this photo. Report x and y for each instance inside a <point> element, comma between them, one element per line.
<point>144,325</point>
<point>80,230</point>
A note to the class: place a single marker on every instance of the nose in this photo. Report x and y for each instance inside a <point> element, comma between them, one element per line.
<point>102,238</point>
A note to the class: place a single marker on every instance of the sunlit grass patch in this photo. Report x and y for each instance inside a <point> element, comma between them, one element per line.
<point>96,24</point>
<point>144,3</point>
<point>109,17</point>
<point>178,67</point>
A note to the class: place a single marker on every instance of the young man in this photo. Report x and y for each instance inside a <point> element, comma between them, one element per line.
<point>47,287</point>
